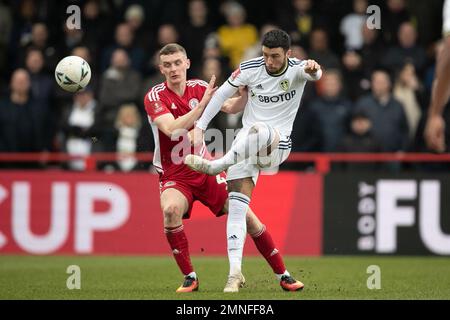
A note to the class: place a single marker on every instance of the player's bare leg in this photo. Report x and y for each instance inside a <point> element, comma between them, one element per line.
<point>261,138</point>
<point>174,205</point>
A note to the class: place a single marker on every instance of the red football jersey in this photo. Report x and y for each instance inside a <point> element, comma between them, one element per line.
<point>161,100</point>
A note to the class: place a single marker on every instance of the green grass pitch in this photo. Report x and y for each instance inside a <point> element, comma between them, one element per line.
<point>106,277</point>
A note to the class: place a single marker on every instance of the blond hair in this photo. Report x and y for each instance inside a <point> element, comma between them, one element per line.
<point>172,48</point>
<point>125,108</point>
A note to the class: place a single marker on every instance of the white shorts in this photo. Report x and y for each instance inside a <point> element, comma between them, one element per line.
<point>251,167</point>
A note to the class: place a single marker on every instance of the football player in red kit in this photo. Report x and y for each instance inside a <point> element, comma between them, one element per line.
<point>173,105</point>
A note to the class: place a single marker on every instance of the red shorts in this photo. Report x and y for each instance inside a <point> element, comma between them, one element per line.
<point>209,190</point>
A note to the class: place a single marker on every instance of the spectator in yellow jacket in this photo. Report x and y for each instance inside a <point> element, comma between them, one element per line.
<point>237,35</point>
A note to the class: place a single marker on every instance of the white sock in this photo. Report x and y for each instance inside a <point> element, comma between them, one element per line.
<point>193,275</point>
<point>259,137</point>
<point>236,229</point>
<point>286,273</point>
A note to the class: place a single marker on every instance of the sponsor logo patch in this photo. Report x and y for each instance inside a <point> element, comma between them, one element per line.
<point>235,73</point>
<point>157,107</point>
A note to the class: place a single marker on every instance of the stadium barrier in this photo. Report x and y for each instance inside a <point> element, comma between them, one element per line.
<point>406,214</point>
<point>321,161</point>
<point>314,213</point>
<point>97,213</point>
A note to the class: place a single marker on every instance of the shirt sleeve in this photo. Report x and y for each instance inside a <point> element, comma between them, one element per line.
<point>239,77</point>
<point>225,91</point>
<point>154,106</point>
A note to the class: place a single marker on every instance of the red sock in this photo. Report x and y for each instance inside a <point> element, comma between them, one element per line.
<point>180,248</point>
<point>266,247</point>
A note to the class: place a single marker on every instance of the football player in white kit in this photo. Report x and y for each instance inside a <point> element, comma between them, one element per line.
<point>275,84</point>
<point>435,127</point>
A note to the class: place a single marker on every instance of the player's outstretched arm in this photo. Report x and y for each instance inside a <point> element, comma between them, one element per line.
<point>311,71</point>
<point>236,104</point>
<point>168,124</point>
<point>225,91</point>
<point>435,127</point>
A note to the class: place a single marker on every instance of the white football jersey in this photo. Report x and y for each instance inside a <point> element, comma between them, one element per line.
<point>273,99</point>
<point>446,12</point>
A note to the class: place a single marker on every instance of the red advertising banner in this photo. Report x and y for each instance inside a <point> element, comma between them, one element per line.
<point>99,213</point>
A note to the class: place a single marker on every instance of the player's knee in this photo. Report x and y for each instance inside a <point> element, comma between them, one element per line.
<point>259,127</point>
<point>172,212</point>
<point>263,131</point>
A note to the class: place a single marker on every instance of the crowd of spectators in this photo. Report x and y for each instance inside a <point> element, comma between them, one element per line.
<point>373,96</point>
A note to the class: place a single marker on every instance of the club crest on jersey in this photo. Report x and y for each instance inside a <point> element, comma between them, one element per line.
<point>193,103</point>
<point>284,84</point>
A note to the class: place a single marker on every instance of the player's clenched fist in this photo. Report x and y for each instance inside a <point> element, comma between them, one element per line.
<point>311,67</point>
<point>435,133</point>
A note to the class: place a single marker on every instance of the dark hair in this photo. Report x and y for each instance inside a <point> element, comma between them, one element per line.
<point>385,71</point>
<point>171,48</point>
<point>277,39</point>
<point>33,49</point>
<point>359,114</point>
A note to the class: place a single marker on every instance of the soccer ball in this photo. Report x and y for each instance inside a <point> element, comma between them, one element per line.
<point>73,73</point>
